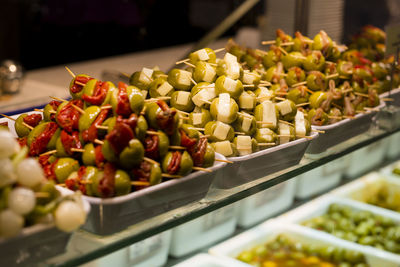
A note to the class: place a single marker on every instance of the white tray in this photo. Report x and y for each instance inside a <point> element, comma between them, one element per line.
<point>263,205</point>
<point>262,163</point>
<point>207,260</point>
<point>271,229</point>
<point>341,131</point>
<point>203,231</point>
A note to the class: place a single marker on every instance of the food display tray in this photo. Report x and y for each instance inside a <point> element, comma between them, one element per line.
<point>262,163</point>
<point>108,216</point>
<point>35,243</point>
<point>395,94</point>
<point>271,229</point>
<point>341,131</point>
<point>207,260</point>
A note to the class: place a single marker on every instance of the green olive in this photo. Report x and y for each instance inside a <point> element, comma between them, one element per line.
<point>209,157</point>
<point>317,98</point>
<point>267,113</point>
<point>79,94</point>
<point>155,174</point>
<point>363,73</point>
<point>53,140</point>
<point>219,131</point>
<point>245,124</point>
<point>295,75</point>
<point>142,79</point>
<point>316,81</point>
<point>204,72</point>
<point>189,131</point>
<point>160,87</point>
<point>245,149</point>
<point>287,109</point>
<point>21,129</point>
<point>247,100</point>
<point>60,148</point>
<point>64,167</point>
<point>265,135</point>
<point>136,99</point>
<point>227,85</point>
<point>203,55</point>
<point>252,77</point>
<point>89,175</point>
<point>47,112</point>
<point>293,59</point>
<point>185,166</point>
<point>297,95</point>
<point>89,156</point>
<point>181,100</point>
<point>141,128</point>
<point>122,183</point>
<point>163,143</point>
<point>314,61</point>
<point>229,67</point>
<point>87,119</point>
<point>89,87</point>
<point>283,38</point>
<point>224,110</point>
<point>271,58</point>
<point>201,93</point>
<point>322,42</point>
<point>180,79</point>
<point>199,117</point>
<point>108,152</point>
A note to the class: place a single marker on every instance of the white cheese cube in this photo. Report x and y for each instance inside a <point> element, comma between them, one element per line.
<point>249,77</point>
<point>246,123</point>
<point>243,145</point>
<point>246,101</point>
<point>202,55</point>
<point>233,70</point>
<point>144,93</point>
<point>197,118</point>
<point>269,114</point>
<point>265,94</point>
<point>145,76</point>
<point>184,77</point>
<point>229,58</point>
<point>182,98</point>
<point>224,148</point>
<point>266,133</point>
<point>284,107</point>
<point>224,107</point>
<point>284,129</point>
<point>209,73</point>
<point>164,89</point>
<point>299,123</point>
<point>230,84</point>
<point>221,130</point>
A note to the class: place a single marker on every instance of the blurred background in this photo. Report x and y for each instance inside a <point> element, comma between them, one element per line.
<point>42,33</point>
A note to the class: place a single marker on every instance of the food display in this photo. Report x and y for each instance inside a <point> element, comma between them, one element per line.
<point>27,198</point>
<point>361,226</point>
<point>284,252</point>
<point>328,81</point>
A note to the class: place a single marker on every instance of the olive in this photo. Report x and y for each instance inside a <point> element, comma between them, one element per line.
<point>136,99</point>
<point>131,155</point>
<point>247,100</point>
<point>204,72</point>
<point>48,110</point>
<point>322,42</point>
<point>48,186</point>
<point>227,85</point>
<point>219,131</point>
<point>263,93</point>
<point>20,128</point>
<point>185,166</point>
<point>141,128</point>
<point>287,133</point>
<point>142,79</point>
<point>181,100</point>
<point>108,152</point>
<point>122,183</point>
<point>89,156</point>
<point>202,93</point>
<point>267,114</point>
<point>224,108</point>
<point>265,135</point>
<point>271,58</point>
<point>64,167</point>
<point>283,38</point>
<point>293,59</point>
<point>225,148</point>
<point>87,119</point>
<point>189,131</point>
<point>273,74</point>
<point>287,109</point>
<point>203,55</point>
<point>160,87</point>
<point>345,69</point>
<point>245,123</point>
<point>153,110</point>
<point>295,75</point>
<point>250,77</point>
<point>301,43</point>
<point>314,61</point>
<point>229,67</point>
<point>317,98</point>
<point>316,81</point>
<point>245,145</point>
<point>199,117</point>
<point>362,73</point>
<point>76,95</point>
<point>209,157</point>
<point>298,95</point>
<point>180,79</point>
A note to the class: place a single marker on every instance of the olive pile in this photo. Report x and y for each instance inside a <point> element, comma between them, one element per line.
<point>383,195</point>
<point>362,227</point>
<point>230,104</point>
<point>109,140</point>
<point>27,198</point>
<point>283,252</point>
<point>329,81</point>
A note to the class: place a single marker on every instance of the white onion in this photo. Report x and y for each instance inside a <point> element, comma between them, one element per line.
<point>29,172</point>
<point>7,174</point>
<point>10,223</point>
<point>69,216</point>
<point>8,144</point>
<point>21,200</point>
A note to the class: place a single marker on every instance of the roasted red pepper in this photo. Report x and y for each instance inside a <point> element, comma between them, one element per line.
<point>175,163</point>
<point>76,88</point>
<point>123,107</point>
<point>38,145</point>
<point>70,141</point>
<point>33,119</point>
<point>68,116</point>
<point>48,168</point>
<point>99,94</point>
<point>166,118</point>
<point>151,146</point>
<point>22,141</point>
<point>198,151</point>
<point>186,141</point>
<point>107,182</point>
<point>143,172</point>
<point>54,104</point>
<point>90,134</point>
<point>76,182</point>
<point>120,136</point>
<point>99,157</point>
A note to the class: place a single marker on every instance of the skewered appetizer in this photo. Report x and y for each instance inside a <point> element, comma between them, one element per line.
<point>30,199</point>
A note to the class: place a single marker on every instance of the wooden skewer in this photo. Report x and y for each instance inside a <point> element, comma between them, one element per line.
<point>387,99</point>
<point>268,42</point>
<point>140,183</point>
<point>85,181</point>
<point>201,169</point>
<point>38,110</point>
<point>361,94</point>
<point>167,175</point>
<point>213,64</point>
<point>309,91</point>
<point>152,133</point>
<point>62,185</point>
<point>77,150</point>
<point>336,106</point>
<point>280,98</point>
<point>177,147</point>
<point>266,144</point>
<point>106,107</point>
<point>317,131</point>
<point>246,115</point>
<point>282,50</point>
<point>102,127</point>
<point>264,84</point>
<point>219,50</point>
<point>263,122</point>
<point>27,126</point>
<point>347,91</point>
<point>240,133</point>
<point>99,142</point>
<point>195,128</point>
<point>78,108</point>
<point>303,104</point>
<point>182,61</point>
<point>349,117</point>
<point>248,85</point>
<point>183,112</point>
<point>281,93</point>
<point>193,81</point>
<point>286,122</point>
<point>206,101</point>
<point>344,77</point>
<point>371,109</point>
<point>6,116</point>
<point>48,152</point>
<point>300,83</point>
<point>335,117</point>
<point>58,99</point>
<point>189,64</point>
<point>300,136</point>
<point>42,194</point>
<point>125,74</point>
<point>151,161</point>
<point>223,160</point>
<point>70,72</point>
<point>332,76</point>
<point>184,118</point>
<point>157,98</point>
<point>287,44</point>
<point>79,83</point>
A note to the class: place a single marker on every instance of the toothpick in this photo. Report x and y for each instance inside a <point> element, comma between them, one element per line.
<point>70,72</point>
<point>140,183</point>
<point>125,74</point>
<point>335,117</point>
<point>266,144</point>
<point>182,61</point>
<point>167,175</point>
<point>58,99</point>
<point>268,42</point>
<point>27,126</point>
<point>248,85</point>
<point>280,98</point>
<point>177,147</point>
<point>99,142</point>
<point>287,44</point>
<point>78,108</point>
<point>240,133</point>
<point>157,98</point>
<point>42,194</point>
<point>263,122</point>
<point>286,122</point>
<point>8,117</point>
<point>387,99</point>
<point>152,133</point>
<point>149,160</point>
<point>332,76</point>
<point>201,169</point>
<point>282,50</point>
<point>219,50</point>
<point>303,104</point>
<point>195,128</point>
<point>300,83</point>
<point>48,153</point>
<point>281,93</point>
<point>38,110</point>
<point>106,107</point>
<point>361,94</point>
<point>183,112</point>
<point>190,64</point>
<point>317,131</point>
<point>193,81</point>
<point>223,160</point>
<point>77,150</point>
<point>102,127</point>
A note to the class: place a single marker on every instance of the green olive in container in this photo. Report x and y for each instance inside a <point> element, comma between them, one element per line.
<point>181,100</point>
<point>225,84</point>
<point>266,115</point>
<point>245,123</point>
<point>160,87</point>
<point>142,79</point>
<point>179,163</point>
<point>180,79</point>
<point>224,108</point>
<point>199,117</point>
<point>245,145</point>
<point>219,131</point>
<point>203,93</point>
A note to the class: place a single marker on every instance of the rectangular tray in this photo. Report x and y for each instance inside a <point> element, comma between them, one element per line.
<point>269,230</point>
<point>112,215</point>
<point>207,260</point>
<point>395,94</point>
<point>262,163</point>
<point>341,131</point>
<point>35,243</point>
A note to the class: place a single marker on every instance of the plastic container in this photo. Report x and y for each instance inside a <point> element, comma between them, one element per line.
<point>262,163</point>
<point>35,243</point>
<point>152,251</point>
<point>366,158</point>
<point>203,231</point>
<point>393,147</point>
<point>115,214</point>
<point>207,260</point>
<point>271,229</point>
<point>263,205</point>
<point>320,179</point>
<point>341,131</point>
<point>395,94</point>
<point>388,170</point>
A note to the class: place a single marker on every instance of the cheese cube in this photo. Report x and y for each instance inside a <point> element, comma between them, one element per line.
<point>269,114</point>
<point>299,123</point>
<point>224,148</point>
<point>233,70</point>
<point>265,94</point>
<point>243,145</point>
<point>284,107</point>
<point>145,76</point>
<point>249,77</point>
<point>203,55</point>
<point>284,129</point>
<point>229,58</point>
<point>182,98</point>
<point>246,123</point>
<point>184,77</point>
<point>266,134</point>
<point>224,107</point>
<point>164,89</point>
<point>230,84</point>
<point>197,118</point>
<point>209,73</point>
<point>246,101</point>
<point>144,93</point>
<point>221,130</point>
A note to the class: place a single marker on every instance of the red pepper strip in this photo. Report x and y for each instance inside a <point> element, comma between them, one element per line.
<point>90,134</point>
<point>33,119</point>
<point>48,168</point>
<point>131,121</point>
<point>75,183</point>
<point>99,157</point>
<point>175,163</point>
<point>198,151</point>
<point>22,141</point>
<point>107,182</point>
<point>186,141</point>
<point>120,136</point>
<point>142,173</point>
<point>68,116</point>
<point>70,141</point>
<point>151,146</point>
<point>166,118</point>
<point>54,104</point>
<point>123,107</point>
<point>76,88</point>
<point>38,146</point>
<point>4,123</point>
<point>99,94</point>
<point>317,118</point>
